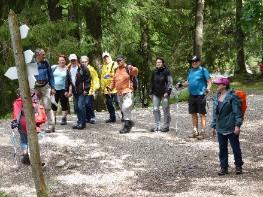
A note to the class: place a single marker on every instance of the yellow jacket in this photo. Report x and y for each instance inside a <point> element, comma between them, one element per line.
<point>95,82</point>
<point>107,73</point>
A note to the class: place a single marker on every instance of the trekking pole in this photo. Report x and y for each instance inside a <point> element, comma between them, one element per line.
<point>13,141</point>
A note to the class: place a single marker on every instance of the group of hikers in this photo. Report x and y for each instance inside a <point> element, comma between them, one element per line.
<point>115,79</point>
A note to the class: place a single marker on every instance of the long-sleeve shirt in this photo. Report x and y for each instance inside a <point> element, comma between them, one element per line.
<point>122,80</point>
<point>45,73</point>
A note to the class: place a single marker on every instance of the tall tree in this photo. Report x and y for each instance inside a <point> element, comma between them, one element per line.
<point>199,21</point>
<point>54,10</point>
<point>94,26</point>
<point>240,39</point>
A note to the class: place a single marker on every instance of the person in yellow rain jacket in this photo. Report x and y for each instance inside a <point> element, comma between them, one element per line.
<point>107,72</point>
<point>95,85</point>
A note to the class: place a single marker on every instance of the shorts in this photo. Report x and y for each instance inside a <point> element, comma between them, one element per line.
<point>197,104</point>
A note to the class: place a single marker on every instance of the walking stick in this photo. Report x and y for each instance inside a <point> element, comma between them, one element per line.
<point>13,141</point>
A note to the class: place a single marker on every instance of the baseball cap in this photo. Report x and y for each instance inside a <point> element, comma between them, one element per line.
<point>104,54</point>
<point>120,57</point>
<point>72,57</point>
<point>195,58</point>
<point>223,80</point>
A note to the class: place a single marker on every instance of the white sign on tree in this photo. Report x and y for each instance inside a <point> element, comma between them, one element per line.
<point>32,69</point>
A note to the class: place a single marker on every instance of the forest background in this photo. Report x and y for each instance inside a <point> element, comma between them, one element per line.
<point>231,35</point>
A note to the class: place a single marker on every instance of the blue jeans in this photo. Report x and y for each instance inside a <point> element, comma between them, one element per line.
<point>223,150</point>
<point>89,104</point>
<point>23,140</point>
<point>109,103</point>
<point>79,105</point>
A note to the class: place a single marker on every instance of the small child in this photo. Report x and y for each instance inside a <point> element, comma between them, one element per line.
<point>19,122</point>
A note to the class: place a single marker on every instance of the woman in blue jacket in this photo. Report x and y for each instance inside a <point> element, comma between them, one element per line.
<point>227,120</point>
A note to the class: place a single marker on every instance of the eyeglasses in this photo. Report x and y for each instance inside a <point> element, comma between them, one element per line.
<point>118,61</point>
<point>194,62</point>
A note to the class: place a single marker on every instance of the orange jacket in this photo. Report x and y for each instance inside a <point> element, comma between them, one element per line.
<point>121,80</point>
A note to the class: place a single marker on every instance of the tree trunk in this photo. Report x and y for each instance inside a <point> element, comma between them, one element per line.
<point>199,21</point>
<point>21,67</point>
<point>241,67</point>
<point>73,15</point>
<point>54,10</point>
<point>145,72</point>
<point>94,26</point>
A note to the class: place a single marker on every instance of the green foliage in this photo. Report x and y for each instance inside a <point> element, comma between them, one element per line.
<point>141,30</point>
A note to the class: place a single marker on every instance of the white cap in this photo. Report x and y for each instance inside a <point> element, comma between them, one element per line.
<point>84,58</point>
<point>72,57</point>
<point>105,54</point>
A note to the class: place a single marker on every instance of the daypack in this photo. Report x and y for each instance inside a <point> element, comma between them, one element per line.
<point>243,98</point>
<point>134,80</point>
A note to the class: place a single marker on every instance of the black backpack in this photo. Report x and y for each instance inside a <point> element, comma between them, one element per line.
<point>134,79</point>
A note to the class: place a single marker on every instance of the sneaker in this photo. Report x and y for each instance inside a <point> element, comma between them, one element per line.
<point>194,134</point>
<point>201,136</point>
<point>92,121</point>
<point>166,129</point>
<point>50,129</point>
<point>25,159</point>
<point>238,170</point>
<point>63,121</point>
<point>110,120</point>
<point>223,171</point>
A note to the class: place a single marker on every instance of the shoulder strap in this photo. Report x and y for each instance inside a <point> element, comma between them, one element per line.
<point>112,65</point>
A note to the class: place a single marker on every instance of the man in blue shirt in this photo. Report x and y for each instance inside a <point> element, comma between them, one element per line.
<point>44,87</point>
<point>199,84</point>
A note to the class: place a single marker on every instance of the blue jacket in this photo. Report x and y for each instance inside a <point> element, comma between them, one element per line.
<point>45,73</point>
<point>225,120</point>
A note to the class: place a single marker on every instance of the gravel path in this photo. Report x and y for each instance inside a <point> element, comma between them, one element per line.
<point>99,161</point>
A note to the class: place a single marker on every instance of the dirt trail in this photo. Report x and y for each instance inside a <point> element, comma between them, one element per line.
<point>98,161</point>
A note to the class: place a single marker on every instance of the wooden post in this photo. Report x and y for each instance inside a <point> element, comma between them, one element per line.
<point>21,67</point>
<point>199,23</point>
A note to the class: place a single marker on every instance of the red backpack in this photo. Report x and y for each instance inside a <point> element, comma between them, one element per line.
<point>243,98</point>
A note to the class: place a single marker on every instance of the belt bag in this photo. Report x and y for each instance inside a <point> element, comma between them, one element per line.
<point>40,84</point>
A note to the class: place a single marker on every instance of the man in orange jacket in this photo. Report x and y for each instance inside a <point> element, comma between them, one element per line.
<point>122,81</point>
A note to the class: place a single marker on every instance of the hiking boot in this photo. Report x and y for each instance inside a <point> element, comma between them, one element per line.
<point>63,121</point>
<point>166,129</point>
<point>126,127</point>
<point>25,159</point>
<point>110,120</point>
<point>194,134</point>
<point>238,170</point>
<point>223,171</point>
<point>79,126</point>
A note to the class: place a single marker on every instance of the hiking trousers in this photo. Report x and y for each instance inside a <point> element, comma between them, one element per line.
<point>166,111</point>
<point>126,103</point>
<point>223,149</point>
<point>43,94</point>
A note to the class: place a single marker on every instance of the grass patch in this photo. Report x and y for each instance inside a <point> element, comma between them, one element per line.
<point>2,194</point>
<point>5,117</point>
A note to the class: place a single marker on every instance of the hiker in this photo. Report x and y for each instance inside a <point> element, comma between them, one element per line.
<point>45,87</point>
<point>19,122</point>
<point>81,81</point>
<point>227,120</point>
<point>199,84</point>
<point>107,73</point>
<point>62,84</point>
<point>122,81</point>
<point>95,85</point>
<point>161,88</point>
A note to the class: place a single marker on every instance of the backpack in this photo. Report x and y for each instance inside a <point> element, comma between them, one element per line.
<point>243,98</point>
<point>134,80</point>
